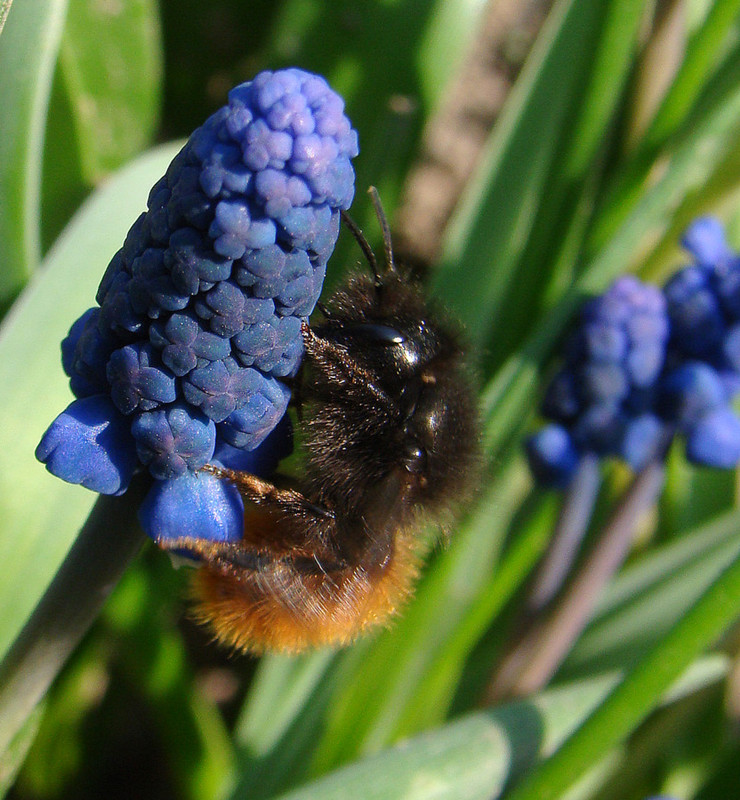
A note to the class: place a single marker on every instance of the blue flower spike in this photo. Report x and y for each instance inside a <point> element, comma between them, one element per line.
<point>601,398</point>
<point>186,358</point>
<point>644,365</point>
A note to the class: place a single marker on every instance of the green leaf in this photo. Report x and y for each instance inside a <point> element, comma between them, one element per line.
<point>500,208</point>
<point>12,759</point>
<point>111,65</point>
<point>633,699</point>
<point>105,102</point>
<point>40,514</point>
<point>280,688</point>
<point>648,597</point>
<point>28,50</point>
<point>477,756</point>
<point>469,759</point>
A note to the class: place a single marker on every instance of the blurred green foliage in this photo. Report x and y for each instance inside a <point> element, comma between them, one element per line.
<point>601,154</point>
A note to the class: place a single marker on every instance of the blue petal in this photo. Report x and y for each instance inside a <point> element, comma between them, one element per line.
<point>90,443</point>
<point>197,506</point>
<point>715,440</point>
<point>553,457</point>
<point>642,441</point>
<point>705,240</point>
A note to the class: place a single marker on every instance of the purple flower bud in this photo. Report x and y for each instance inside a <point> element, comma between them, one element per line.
<point>137,379</point>
<point>552,455</point>
<point>714,440</point>
<point>174,440</point>
<point>90,443</point>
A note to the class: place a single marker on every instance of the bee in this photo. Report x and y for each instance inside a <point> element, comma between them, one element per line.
<point>389,421</point>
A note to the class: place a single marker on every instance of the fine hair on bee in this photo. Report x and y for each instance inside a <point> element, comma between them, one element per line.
<point>389,427</point>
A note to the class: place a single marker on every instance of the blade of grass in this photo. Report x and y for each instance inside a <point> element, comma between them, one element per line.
<point>635,697</point>
<point>4,10</point>
<point>649,596</point>
<point>487,233</point>
<point>470,759</point>
<point>39,514</point>
<point>28,51</point>
<point>701,56</point>
<point>105,101</point>
<point>477,756</point>
<point>106,545</point>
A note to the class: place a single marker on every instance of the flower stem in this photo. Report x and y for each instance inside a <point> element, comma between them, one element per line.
<point>641,690</point>
<point>551,574</point>
<point>575,514</point>
<point>107,543</point>
<point>530,665</point>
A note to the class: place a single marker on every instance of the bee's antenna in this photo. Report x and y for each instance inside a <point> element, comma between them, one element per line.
<point>364,246</point>
<point>383,220</point>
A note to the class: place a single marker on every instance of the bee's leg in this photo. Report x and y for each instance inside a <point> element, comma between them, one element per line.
<point>270,497</point>
<point>334,363</point>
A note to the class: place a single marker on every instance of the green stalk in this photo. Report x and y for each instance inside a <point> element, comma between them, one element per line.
<point>107,543</point>
<point>640,692</point>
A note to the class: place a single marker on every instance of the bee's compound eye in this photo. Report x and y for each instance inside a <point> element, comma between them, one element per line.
<point>382,334</point>
<point>414,457</point>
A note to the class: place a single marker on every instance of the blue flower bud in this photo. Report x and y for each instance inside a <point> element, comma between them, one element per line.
<point>691,391</point>
<point>697,325</point>
<point>643,440</point>
<point>705,240</point>
<point>714,440</point>
<point>184,344</point>
<point>137,380</point>
<point>552,456</point>
<point>173,441</point>
<point>249,425</point>
<point>264,458</point>
<point>600,428</point>
<point>197,505</point>
<point>85,353</point>
<point>90,443</point>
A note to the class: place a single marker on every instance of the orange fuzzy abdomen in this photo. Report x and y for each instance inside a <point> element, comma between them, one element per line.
<point>277,608</point>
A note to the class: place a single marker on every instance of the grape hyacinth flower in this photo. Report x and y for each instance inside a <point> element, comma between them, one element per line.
<point>644,365</point>
<point>603,399</point>
<point>186,359</point>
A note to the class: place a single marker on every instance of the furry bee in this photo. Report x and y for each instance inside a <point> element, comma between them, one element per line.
<point>389,421</point>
